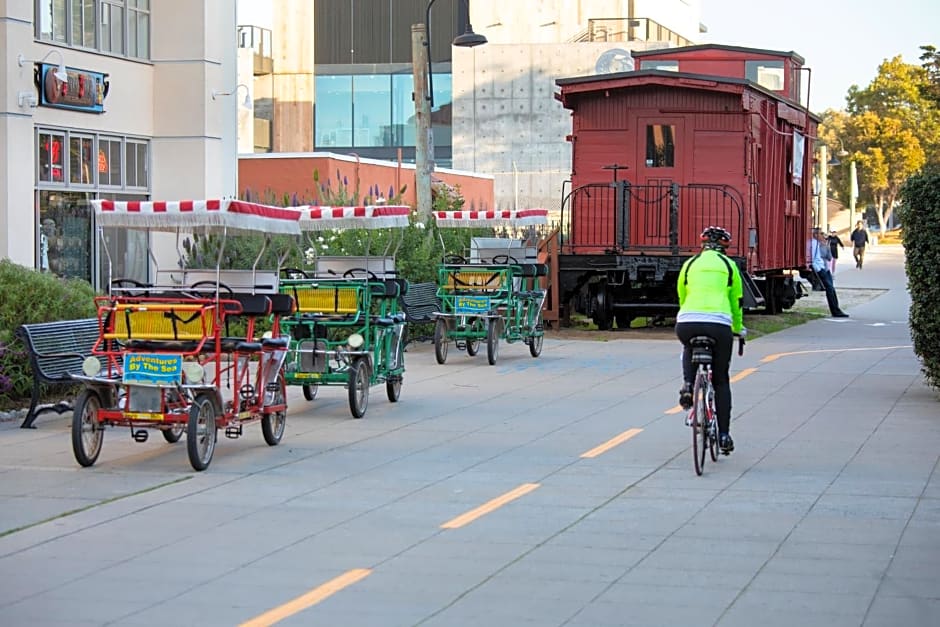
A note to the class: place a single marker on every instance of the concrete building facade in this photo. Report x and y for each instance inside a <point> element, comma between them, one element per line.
<point>145,109</point>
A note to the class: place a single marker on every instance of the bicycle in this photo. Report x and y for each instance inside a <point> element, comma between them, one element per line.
<point>702,416</point>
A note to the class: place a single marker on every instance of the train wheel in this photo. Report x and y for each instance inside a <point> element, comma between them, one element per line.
<point>601,316</point>
<point>358,388</point>
<point>440,340</point>
<point>310,390</point>
<point>273,425</point>
<point>623,320</point>
<point>201,432</point>
<point>174,433</point>
<point>492,341</point>
<point>87,434</point>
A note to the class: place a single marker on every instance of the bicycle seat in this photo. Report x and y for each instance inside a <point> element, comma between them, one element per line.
<point>702,349</point>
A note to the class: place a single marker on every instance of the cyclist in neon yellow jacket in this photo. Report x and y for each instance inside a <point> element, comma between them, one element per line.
<point>710,293</point>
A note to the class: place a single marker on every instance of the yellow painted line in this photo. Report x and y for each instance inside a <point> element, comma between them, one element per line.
<point>674,410</point>
<point>742,374</point>
<point>308,599</point>
<point>611,443</point>
<point>776,356</point>
<point>486,508</point>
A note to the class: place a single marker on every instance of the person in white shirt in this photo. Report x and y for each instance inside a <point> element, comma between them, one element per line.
<point>819,257</point>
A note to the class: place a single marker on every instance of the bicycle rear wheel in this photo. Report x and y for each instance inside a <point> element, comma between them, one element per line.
<point>712,425</point>
<point>699,421</point>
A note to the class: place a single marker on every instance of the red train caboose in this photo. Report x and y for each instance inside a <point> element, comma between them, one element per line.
<point>697,136</point>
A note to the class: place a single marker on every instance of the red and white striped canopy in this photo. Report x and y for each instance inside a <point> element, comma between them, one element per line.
<point>230,215</point>
<point>504,217</point>
<point>370,217</point>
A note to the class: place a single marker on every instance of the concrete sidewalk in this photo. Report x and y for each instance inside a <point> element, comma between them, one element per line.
<point>828,512</point>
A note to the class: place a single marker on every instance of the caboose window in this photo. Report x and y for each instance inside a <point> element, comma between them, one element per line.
<point>654,64</point>
<point>660,146</point>
<point>768,74</point>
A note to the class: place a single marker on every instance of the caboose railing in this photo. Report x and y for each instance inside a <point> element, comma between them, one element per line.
<point>619,217</point>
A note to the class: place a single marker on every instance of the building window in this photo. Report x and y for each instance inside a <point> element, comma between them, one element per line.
<point>81,160</point>
<point>660,146</point>
<point>119,27</point>
<point>135,164</point>
<point>51,151</point>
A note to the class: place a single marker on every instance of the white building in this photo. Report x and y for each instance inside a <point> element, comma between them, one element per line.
<point>135,118</point>
<point>506,121</point>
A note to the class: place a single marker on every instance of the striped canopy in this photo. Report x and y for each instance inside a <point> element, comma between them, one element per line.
<point>505,217</point>
<point>230,215</point>
<point>370,217</point>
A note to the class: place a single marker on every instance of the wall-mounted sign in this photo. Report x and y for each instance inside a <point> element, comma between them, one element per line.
<point>83,91</point>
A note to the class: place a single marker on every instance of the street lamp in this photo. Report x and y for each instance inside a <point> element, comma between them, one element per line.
<point>424,100</point>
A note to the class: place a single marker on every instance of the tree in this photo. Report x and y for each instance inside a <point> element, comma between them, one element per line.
<point>891,132</point>
<point>931,64</point>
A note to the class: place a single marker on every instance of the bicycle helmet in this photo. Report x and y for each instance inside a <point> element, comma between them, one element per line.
<point>716,238</point>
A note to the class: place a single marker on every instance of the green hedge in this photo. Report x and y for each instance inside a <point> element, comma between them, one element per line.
<point>28,296</point>
<point>920,215</point>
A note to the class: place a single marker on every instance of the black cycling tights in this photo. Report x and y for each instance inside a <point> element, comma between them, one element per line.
<point>721,360</point>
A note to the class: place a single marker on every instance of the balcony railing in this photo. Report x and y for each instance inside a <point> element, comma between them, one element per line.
<point>629,29</point>
<point>258,39</point>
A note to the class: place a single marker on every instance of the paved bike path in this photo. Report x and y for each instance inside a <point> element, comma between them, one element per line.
<point>556,491</point>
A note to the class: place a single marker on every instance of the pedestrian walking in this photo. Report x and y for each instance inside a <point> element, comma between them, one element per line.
<point>834,245</point>
<point>859,239</point>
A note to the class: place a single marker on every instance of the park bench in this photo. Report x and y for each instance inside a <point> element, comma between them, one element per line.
<point>56,352</point>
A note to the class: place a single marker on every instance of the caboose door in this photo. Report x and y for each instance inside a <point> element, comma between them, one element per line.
<point>659,160</point>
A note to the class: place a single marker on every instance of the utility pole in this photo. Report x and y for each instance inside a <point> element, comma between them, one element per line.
<point>853,193</point>
<point>823,218</point>
<point>424,140</point>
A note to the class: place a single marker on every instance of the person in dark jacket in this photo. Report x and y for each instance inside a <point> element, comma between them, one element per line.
<point>834,245</point>
<point>859,239</point>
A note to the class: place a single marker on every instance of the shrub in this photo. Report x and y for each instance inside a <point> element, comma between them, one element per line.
<point>920,215</point>
<point>29,296</point>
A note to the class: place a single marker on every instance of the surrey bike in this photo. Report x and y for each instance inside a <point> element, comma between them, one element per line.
<point>168,357</point>
<point>347,328</point>
<point>493,295</point>
<point>702,416</point>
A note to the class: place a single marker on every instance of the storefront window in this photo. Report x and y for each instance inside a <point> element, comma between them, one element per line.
<point>51,151</point>
<point>135,165</point>
<point>65,234</point>
<point>402,130</point>
<point>81,162</point>
<point>334,111</point>
<point>124,251</point>
<point>109,161</point>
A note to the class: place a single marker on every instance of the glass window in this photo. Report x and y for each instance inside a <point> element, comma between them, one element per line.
<point>668,66</point>
<point>334,122</point>
<point>442,113</point>
<point>401,132</point>
<point>371,109</point>
<point>136,164</point>
<point>81,163</point>
<point>126,249</point>
<point>83,23</point>
<point>109,161</point>
<point>51,151</point>
<point>660,146</point>
<point>768,74</point>
<point>138,30</point>
<point>112,27</point>
<point>53,20</point>
<point>65,233</point>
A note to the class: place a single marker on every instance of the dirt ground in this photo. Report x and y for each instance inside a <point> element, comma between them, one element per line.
<point>812,302</point>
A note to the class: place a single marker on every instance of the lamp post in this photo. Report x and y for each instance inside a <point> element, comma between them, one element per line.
<point>424,100</point>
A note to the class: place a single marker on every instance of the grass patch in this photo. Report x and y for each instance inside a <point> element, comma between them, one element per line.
<point>759,324</point>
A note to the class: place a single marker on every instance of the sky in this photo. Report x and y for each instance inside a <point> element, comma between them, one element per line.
<point>842,41</point>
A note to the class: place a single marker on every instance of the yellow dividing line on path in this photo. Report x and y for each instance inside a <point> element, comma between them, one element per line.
<point>611,443</point>
<point>776,356</point>
<point>675,409</point>
<point>309,599</point>
<point>486,508</point>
